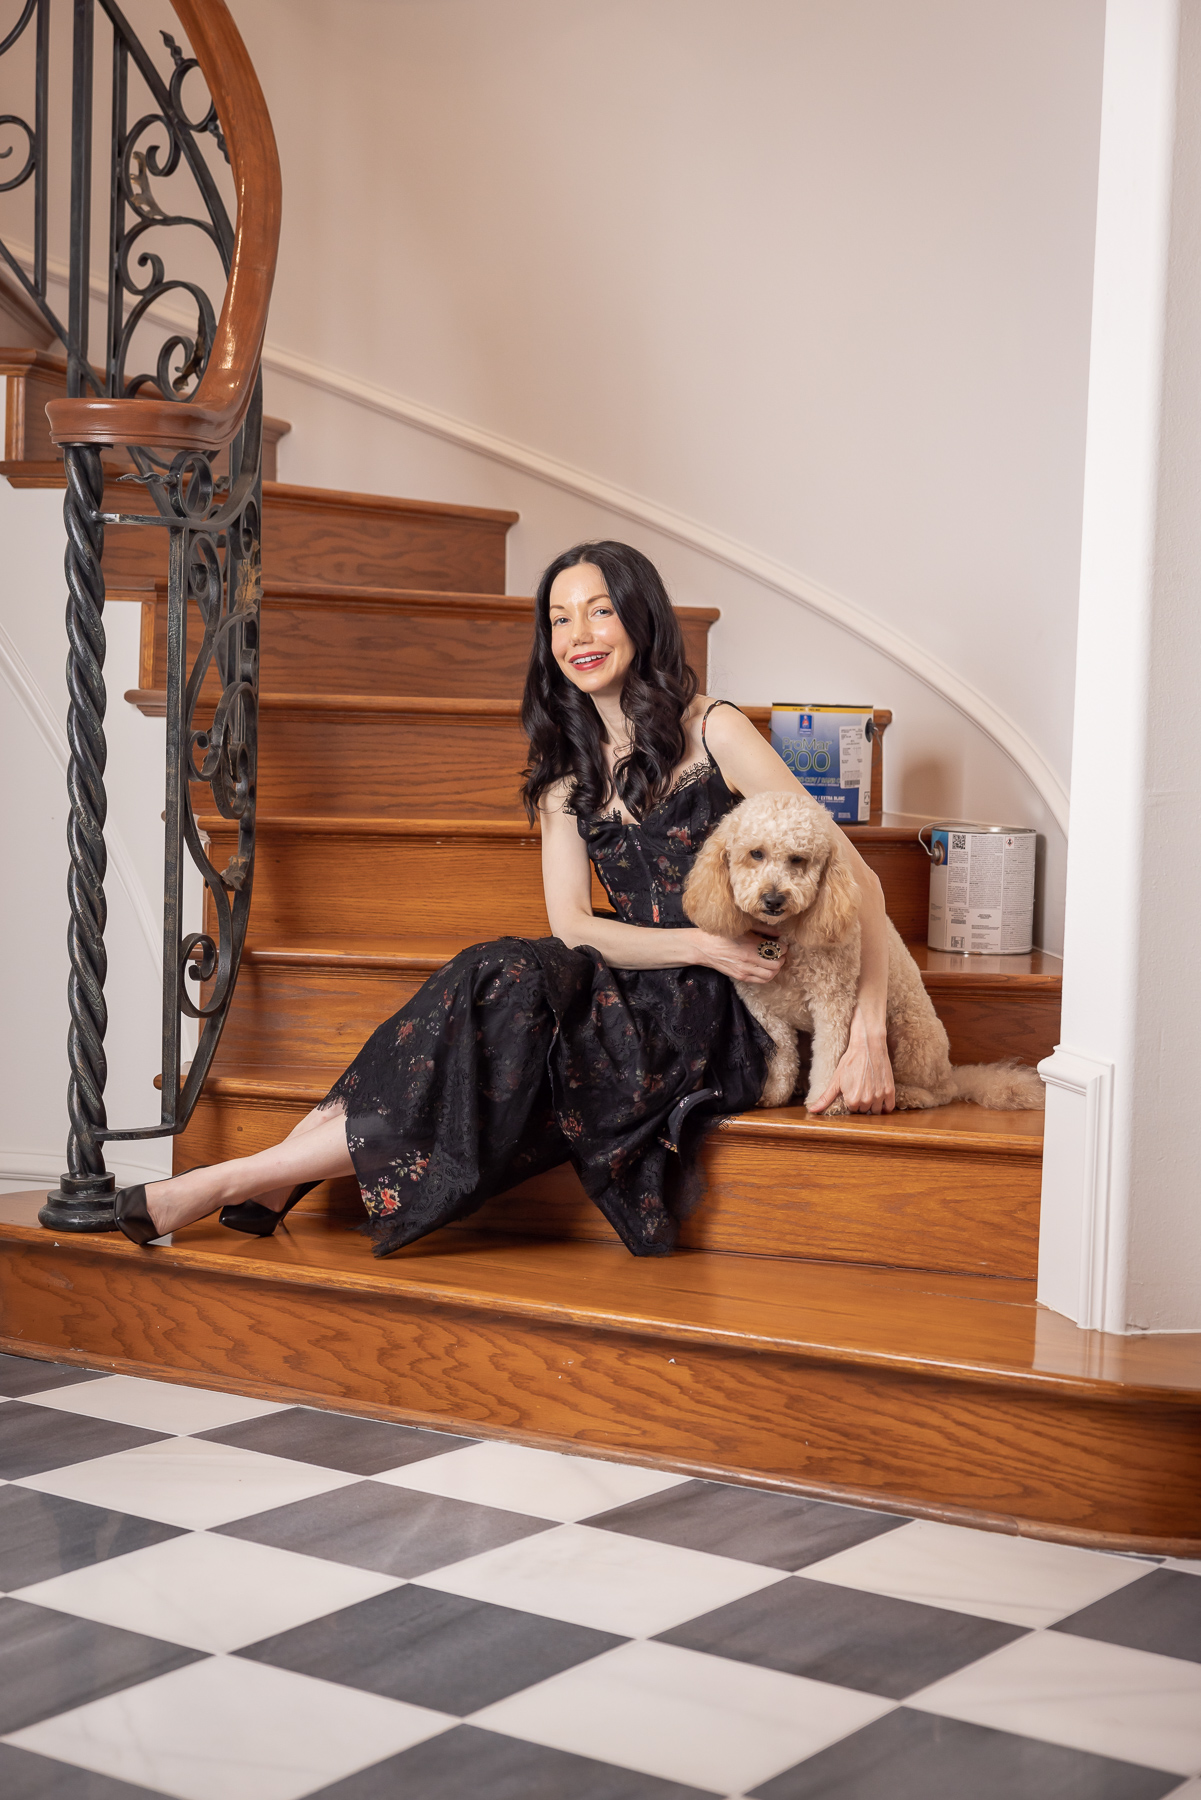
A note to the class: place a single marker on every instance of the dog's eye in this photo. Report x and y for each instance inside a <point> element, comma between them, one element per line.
<point>756,856</point>
<point>798,862</point>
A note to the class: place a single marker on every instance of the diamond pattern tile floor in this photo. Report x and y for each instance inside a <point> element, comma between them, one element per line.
<point>207,1597</point>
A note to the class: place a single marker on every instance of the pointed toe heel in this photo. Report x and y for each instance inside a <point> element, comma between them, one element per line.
<point>260,1221</point>
<point>133,1217</point>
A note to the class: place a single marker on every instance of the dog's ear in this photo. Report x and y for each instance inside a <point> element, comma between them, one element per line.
<point>708,896</point>
<point>837,904</point>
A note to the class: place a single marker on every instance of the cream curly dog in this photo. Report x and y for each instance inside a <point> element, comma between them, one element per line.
<point>775,863</point>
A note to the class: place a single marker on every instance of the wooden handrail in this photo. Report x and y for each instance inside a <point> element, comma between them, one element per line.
<point>211,419</point>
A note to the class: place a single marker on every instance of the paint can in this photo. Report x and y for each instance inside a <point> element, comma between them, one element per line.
<point>981,887</point>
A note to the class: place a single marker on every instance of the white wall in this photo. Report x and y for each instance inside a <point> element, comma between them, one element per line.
<point>814,274</point>
<point>1121,1237</point>
<point>33,898</point>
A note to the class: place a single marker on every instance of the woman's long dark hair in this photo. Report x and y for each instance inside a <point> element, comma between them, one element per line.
<point>564,728</point>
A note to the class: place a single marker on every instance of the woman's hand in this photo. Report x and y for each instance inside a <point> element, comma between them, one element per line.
<point>864,1076</point>
<point>737,957</point>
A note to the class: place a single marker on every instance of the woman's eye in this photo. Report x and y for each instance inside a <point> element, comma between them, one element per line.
<point>756,856</point>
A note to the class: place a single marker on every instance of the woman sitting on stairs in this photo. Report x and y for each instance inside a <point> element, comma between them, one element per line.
<point>608,1045</point>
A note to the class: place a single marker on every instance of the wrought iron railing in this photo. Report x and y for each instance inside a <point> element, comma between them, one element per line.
<point>203,401</point>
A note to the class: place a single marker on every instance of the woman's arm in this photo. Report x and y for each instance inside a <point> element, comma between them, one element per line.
<point>567,884</point>
<point>750,766</point>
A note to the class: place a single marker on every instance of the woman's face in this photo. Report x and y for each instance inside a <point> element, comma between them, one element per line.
<point>589,641</point>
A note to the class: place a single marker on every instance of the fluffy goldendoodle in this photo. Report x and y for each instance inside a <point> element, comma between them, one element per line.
<point>776,864</point>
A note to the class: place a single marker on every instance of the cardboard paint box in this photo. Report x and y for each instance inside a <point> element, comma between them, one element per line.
<point>829,750</point>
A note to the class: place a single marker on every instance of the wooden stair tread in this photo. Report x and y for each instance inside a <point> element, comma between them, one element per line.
<point>1038,971</point>
<point>353,501</point>
<point>422,599</point>
<point>360,824</point>
<point>953,1325</point>
<point>960,1126</point>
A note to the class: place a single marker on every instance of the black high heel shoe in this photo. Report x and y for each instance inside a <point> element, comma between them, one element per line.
<point>133,1216</point>
<point>260,1221</point>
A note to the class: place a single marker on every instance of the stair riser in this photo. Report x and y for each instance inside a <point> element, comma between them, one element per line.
<point>957,1212</point>
<point>319,884</point>
<point>374,886</point>
<point>982,1451</point>
<point>334,646</point>
<point>287,1013</point>
<point>392,765</point>
<point>312,540</point>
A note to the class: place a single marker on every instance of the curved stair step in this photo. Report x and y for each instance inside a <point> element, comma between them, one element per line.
<point>956,1188</point>
<point>948,1396</point>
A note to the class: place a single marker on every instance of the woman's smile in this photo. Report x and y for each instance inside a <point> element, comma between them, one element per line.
<point>589,641</point>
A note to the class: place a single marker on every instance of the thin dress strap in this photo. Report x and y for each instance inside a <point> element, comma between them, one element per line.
<point>712,708</point>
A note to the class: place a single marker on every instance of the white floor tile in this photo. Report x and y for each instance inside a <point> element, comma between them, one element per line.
<point>155,1405</point>
<point>1021,1581</point>
<point>683,1716</point>
<point>210,1593</point>
<point>1066,1690</point>
<point>1186,1565</point>
<point>542,1483</point>
<point>602,1579</point>
<point>1190,1791</point>
<point>183,1481</point>
<point>231,1730</point>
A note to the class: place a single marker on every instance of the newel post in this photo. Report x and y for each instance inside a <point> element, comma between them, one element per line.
<point>83,1200</point>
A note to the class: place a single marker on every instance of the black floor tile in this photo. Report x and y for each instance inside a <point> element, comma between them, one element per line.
<point>34,1439</point>
<point>912,1756</point>
<point>852,1639</point>
<point>432,1649</point>
<point>470,1764</point>
<point>42,1535</point>
<point>777,1530</point>
<point>22,1375</point>
<point>24,1776</point>
<point>334,1441</point>
<point>374,1526</point>
<point>1162,1612</point>
<point>50,1662</point>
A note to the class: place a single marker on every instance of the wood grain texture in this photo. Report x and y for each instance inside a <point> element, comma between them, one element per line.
<point>320,535</point>
<point>955,1190</point>
<point>391,641</point>
<point>349,875</point>
<point>906,1386</point>
<point>317,1001</point>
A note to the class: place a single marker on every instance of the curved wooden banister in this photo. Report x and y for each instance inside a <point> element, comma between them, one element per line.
<point>211,419</point>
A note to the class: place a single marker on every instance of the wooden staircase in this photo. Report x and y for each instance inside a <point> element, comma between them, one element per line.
<point>852,1313</point>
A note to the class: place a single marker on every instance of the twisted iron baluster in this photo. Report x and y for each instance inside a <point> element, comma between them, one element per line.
<point>80,1204</point>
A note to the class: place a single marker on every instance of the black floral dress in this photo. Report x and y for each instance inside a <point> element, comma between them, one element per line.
<point>522,1054</point>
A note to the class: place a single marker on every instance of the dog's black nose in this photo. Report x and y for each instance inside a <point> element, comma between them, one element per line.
<point>773,902</point>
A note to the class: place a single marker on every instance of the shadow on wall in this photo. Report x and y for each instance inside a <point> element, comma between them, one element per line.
<point>932,787</point>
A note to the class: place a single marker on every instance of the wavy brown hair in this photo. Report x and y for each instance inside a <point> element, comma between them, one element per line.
<point>564,728</point>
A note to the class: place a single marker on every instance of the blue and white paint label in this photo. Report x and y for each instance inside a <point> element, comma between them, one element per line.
<point>828,749</point>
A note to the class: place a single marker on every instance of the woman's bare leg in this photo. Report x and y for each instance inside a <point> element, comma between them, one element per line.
<point>275,1198</point>
<point>314,1151</point>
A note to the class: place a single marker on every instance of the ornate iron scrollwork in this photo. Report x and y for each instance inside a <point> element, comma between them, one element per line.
<point>214,562</point>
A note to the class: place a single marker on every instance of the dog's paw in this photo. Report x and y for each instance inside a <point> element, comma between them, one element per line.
<point>775,1092</point>
<point>837,1109</point>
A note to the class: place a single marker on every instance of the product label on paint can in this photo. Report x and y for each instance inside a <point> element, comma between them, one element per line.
<point>828,749</point>
<point>981,890</point>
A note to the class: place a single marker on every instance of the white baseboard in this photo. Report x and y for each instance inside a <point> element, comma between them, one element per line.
<point>21,1169</point>
<point>1080,1252</point>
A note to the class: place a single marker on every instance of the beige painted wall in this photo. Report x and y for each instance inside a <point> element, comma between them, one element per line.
<point>815,274</point>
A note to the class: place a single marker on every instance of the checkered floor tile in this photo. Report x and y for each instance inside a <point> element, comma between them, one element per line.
<point>216,1598</point>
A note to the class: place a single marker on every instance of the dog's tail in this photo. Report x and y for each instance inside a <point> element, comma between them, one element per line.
<point>1006,1086</point>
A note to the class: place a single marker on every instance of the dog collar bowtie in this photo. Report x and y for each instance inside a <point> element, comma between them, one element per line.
<point>771,950</point>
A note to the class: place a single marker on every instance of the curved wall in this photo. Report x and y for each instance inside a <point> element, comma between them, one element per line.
<point>814,277</point>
